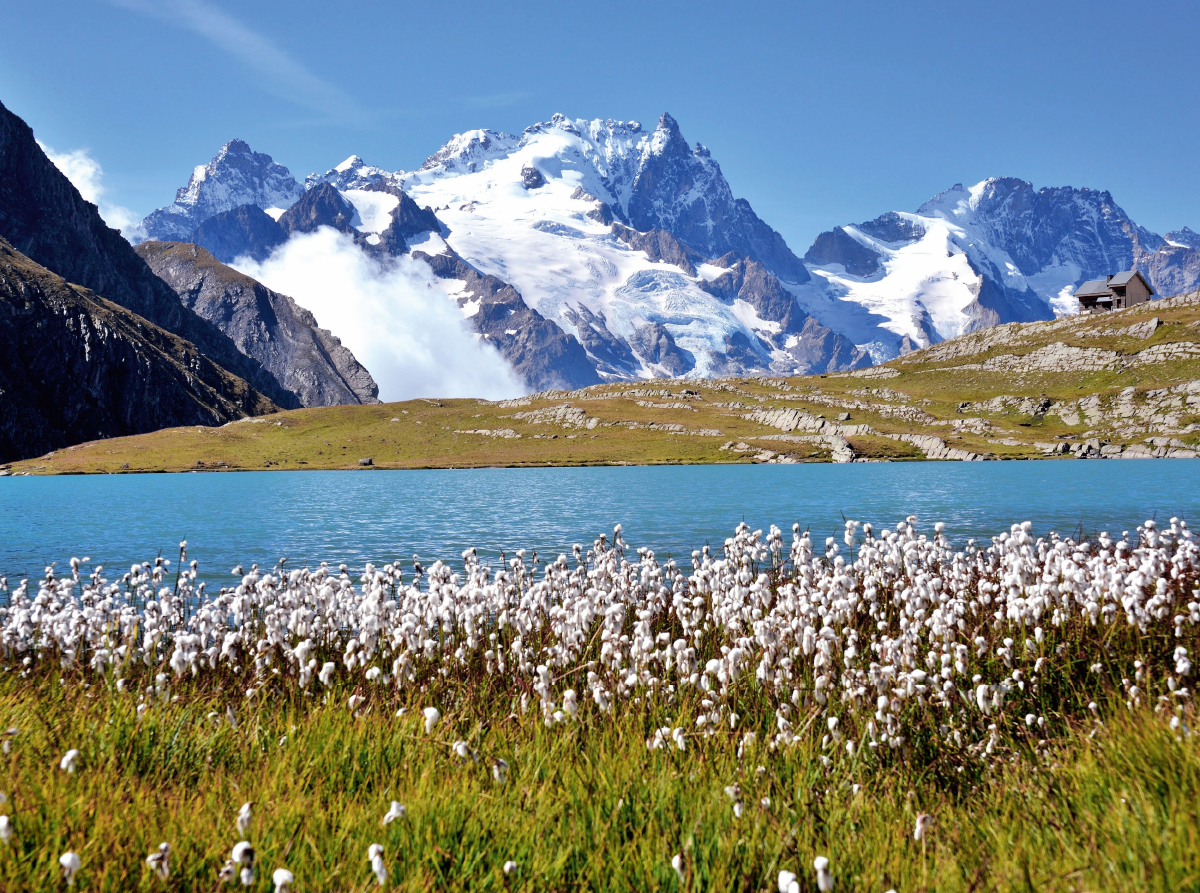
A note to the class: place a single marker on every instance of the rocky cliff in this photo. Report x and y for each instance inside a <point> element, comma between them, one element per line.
<point>76,367</point>
<point>270,327</point>
<point>45,218</point>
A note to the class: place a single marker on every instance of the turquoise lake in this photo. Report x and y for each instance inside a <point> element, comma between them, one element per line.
<point>355,517</point>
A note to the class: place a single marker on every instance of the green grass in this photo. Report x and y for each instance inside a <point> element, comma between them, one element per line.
<point>586,806</point>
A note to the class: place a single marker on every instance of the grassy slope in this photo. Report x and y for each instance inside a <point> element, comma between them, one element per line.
<point>585,806</point>
<point>421,434</point>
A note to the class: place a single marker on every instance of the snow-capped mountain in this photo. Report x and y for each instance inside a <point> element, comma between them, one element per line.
<point>236,176</point>
<point>595,250</point>
<point>999,251</point>
<point>625,246</point>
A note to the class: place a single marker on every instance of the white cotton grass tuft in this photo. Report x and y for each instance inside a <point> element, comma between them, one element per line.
<point>824,877</point>
<point>159,860</point>
<point>921,828</point>
<point>397,810</point>
<point>69,761</point>
<point>500,771</point>
<point>432,717</point>
<point>510,866</point>
<point>375,857</point>
<point>244,816</point>
<point>6,829</point>
<point>283,880</point>
<point>788,882</point>
<point>677,864</point>
<point>70,866</point>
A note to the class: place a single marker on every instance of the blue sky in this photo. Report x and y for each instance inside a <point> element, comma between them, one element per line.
<point>819,114</point>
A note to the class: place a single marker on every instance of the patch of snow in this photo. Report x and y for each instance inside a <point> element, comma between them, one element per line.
<point>275,213</point>
<point>373,210</point>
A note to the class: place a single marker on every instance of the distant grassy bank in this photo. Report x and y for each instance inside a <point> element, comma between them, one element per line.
<point>1125,383</point>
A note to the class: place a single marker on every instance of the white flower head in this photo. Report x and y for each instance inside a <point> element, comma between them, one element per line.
<point>824,877</point>
<point>70,865</point>
<point>375,857</point>
<point>283,880</point>
<point>243,818</point>
<point>243,853</point>
<point>500,771</point>
<point>788,883</point>
<point>432,717</point>
<point>159,860</point>
<point>395,811</point>
<point>69,760</point>
<point>6,829</point>
<point>921,829</point>
<point>677,864</point>
<point>510,866</point>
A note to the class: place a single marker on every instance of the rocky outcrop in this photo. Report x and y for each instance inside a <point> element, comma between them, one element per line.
<point>540,352</point>
<point>659,245</point>
<point>531,178</point>
<point>45,218</point>
<point>272,328</point>
<point>320,206</point>
<point>655,344</point>
<point>839,247</point>
<point>809,346</point>
<point>613,357</point>
<point>76,367</point>
<point>246,231</point>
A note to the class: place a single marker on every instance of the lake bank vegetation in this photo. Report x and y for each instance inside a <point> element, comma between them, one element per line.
<point>1014,714</point>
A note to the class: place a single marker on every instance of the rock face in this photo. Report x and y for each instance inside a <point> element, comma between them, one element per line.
<point>538,350</point>
<point>44,217</point>
<point>246,231</point>
<point>683,191</point>
<point>76,367</point>
<point>236,176</point>
<point>268,326</point>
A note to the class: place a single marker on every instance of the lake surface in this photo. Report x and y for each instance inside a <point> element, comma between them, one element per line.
<point>379,516</point>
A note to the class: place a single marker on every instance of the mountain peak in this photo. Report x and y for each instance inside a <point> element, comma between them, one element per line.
<point>237,175</point>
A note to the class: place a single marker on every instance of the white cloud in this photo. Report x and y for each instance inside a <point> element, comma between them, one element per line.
<point>397,320</point>
<point>86,175</point>
<point>282,75</point>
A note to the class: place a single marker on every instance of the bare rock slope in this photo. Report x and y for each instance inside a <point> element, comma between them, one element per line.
<point>270,327</point>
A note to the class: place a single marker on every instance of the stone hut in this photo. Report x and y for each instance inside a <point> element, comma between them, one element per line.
<point>1116,292</point>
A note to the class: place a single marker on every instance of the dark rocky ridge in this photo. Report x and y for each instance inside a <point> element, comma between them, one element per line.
<point>270,327</point>
<point>540,352</point>
<point>75,367</point>
<point>246,231</point>
<point>43,216</point>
